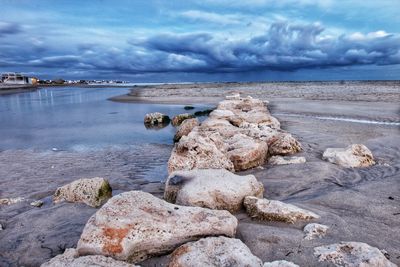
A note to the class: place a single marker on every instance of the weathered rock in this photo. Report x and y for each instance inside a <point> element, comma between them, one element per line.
<point>197,152</point>
<point>279,160</point>
<point>156,118</point>
<point>37,203</point>
<point>352,156</point>
<point>185,128</point>
<point>281,263</point>
<point>93,192</point>
<point>70,258</point>
<point>178,119</point>
<point>135,225</point>
<point>284,144</point>
<point>273,210</point>
<point>315,230</point>
<point>352,254</point>
<point>211,188</point>
<point>214,251</point>
<point>10,201</point>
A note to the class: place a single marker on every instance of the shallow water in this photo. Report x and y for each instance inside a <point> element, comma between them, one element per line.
<point>73,118</point>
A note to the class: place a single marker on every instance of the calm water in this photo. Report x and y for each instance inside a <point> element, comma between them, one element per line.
<point>72,118</point>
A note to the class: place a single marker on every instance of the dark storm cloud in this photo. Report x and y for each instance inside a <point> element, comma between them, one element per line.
<point>7,28</point>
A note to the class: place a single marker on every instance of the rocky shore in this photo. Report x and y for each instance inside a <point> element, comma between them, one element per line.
<point>258,216</point>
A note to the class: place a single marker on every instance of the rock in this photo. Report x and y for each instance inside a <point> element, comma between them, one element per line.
<point>352,156</point>
<point>178,119</point>
<point>10,201</point>
<point>211,188</point>
<point>156,118</point>
<point>284,144</point>
<point>135,225</point>
<point>185,128</point>
<point>352,254</point>
<point>188,107</point>
<point>1,227</point>
<point>281,263</point>
<point>37,203</point>
<point>70,258</point>
<point>233,96</point>
<point>273,210</point>
<point>197,152</point>
<point>279,160</point>
<point>93,192</point>
<point>214,251</point>
<point>245,152</point>
<point>202,113</point>
<point>315,230</point>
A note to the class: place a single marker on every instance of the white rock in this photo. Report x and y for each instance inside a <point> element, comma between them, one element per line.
<point>37,203</point>
<point>93,192</point>
<point>185,128</point>
<point>273,210</point>
<point>352,254</point>
<point>234,96</point>
<point>135,225</point>
<point>10,201</point>
<point>214,251</point>
<point>1,227</point>
<point>279,160</point>
<point>315,230</point>
<point>211,188</point>
<point>281,263</point>
<point>70,258</point>
<point>352,156</point>
<point>156,118</point>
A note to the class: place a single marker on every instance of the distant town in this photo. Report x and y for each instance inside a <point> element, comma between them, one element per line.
<point>14,78</point>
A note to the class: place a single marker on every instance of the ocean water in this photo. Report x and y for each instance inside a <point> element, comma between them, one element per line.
<point>74,118</point>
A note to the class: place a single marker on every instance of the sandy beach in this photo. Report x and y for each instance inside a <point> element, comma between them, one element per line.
<point>357,204</point>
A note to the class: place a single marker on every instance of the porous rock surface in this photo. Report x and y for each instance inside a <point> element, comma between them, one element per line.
<point>211,188</point>
<point>156,118</point>
<point>273,210</point>
<point>91,191</point>
<point>135,225</point>
<point>179,119</point>
<point>314,230</point>
<point>353,156</point>
<point>279,160</point>
<point>214,251</point>
<point>185,128</point>
<point>281,263</point>
<point>240,134</point>
<point>70,258</point>
<point>355,254</point>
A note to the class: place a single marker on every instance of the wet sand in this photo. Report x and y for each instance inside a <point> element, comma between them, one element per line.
<point>357,204</point>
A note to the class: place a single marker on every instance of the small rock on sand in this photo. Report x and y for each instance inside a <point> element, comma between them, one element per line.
<point>352,254</point>
<point>185,128</point>
<point>37,203</point>
<point>279,160</point>
<point>135,225</point>
<point>156,118</point>
<point>352,156</point>
<point>91,191</point>
<point>178,119</point>
<point>214,251</point>
<point>315,230</point>
<point>10,201</point>
<point>70,258</point>
<point>211,188</point>
<point>273,210</point>
<point>281,263</point>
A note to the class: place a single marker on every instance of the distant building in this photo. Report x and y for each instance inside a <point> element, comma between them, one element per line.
<point>17,78</point>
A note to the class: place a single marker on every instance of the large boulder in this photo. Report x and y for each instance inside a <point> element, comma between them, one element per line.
<point>353,156</point>
<point>156,118</point>
<point>70,258</point>
<point>211,188</point>
<point>91,191</point>
<point>246,152</point>
<point>355,254</point>
<point>284,144</point>
<point>185,128</point>
<point>273,210</point>
<point>279,160</point>
<point>201,152</point>
<point>178,119</point>
<point>135,225</point>
<point>214,251</point>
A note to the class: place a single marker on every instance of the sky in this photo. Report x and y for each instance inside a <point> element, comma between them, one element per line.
<point>201,40</point>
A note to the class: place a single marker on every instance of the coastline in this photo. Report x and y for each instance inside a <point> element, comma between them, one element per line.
<point>357,204</point>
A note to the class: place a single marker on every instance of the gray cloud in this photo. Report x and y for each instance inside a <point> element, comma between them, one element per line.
<point>7,28</point>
